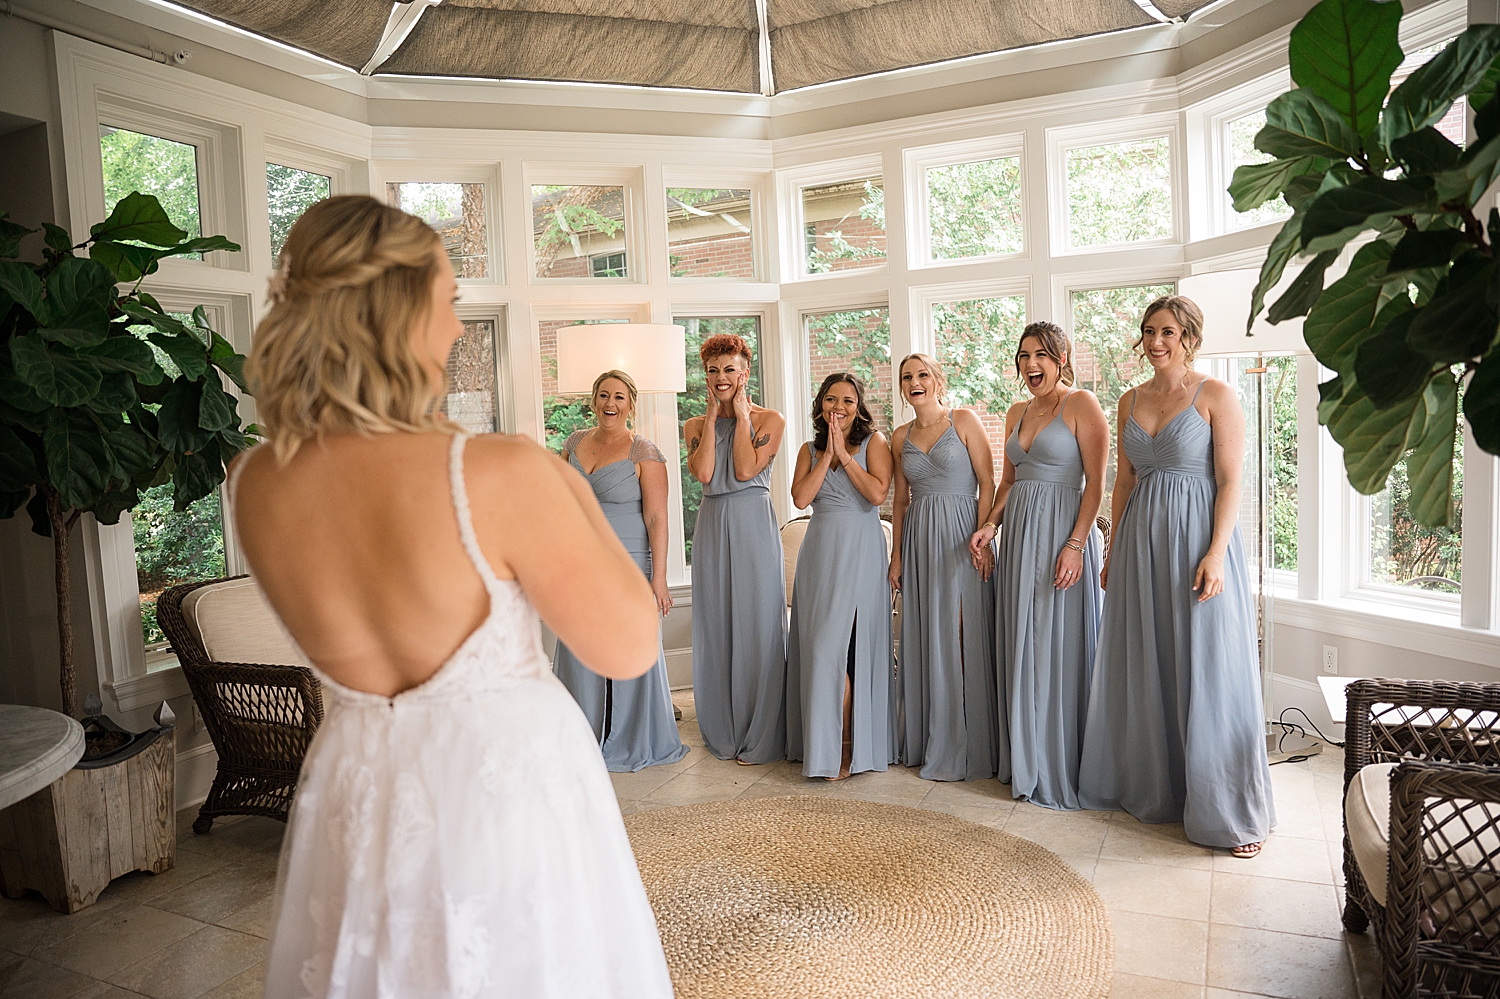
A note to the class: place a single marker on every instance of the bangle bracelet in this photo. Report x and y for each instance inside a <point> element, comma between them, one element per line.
<point>1074,544</point>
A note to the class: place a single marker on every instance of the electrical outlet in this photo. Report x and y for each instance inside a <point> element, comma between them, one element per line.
<point>1330,659</point>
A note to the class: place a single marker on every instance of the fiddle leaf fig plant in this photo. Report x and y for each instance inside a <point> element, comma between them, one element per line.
<point>103,392</point>
<point>1417,310</point>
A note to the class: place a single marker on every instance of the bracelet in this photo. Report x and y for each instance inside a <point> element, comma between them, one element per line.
<point>1074,544</point>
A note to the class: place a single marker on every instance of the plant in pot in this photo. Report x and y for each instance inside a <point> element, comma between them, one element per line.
<point>103,394</point>
<point>1411,325</point>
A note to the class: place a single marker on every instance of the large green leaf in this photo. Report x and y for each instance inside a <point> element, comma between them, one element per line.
<point>1386,367</point>
<point>1482,403</point>
<point>1460,322</point>
<point>56,238</point>
<point>1424,97</point>
<point>197,475</point>
<point>1477,169</point>
<point>185,350</point>
<point>57,374</point>
<point>18,467</point>
<point>1256,183</point>
<point>15,393</point>
<point>1299,123</point>
<point>116,393</point>
<point>139,217</point>
<point>79,294</point>
<point>1283,248</point>
<point>229,361</point>
<point>1303,292</point>
<point>20,282</point>
<point>1345,313</point>
<point>177,419</point>
<point>201,244</point>
<point>1344,51</point>
<point>128,261</point>
<point>107,508</point>
<point>11,234</point>
<point>216,408</point>
<point>73,471</point>
<point>1373,439</point>
<point>126,353</point>
<point>1429,466</point>
<point>1336,216</point>
<point>1423,250</point>
<point>1426,151</point>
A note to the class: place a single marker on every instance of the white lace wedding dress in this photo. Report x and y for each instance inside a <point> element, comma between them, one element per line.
<point>462,839</point>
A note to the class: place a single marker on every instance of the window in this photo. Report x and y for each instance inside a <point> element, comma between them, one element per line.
<point>859,341</point>
<point>289,193</point>
<point>1106,321</point>
<point>1281,389</point>
<point>1119,193</point>
<point>974,209</point>
<point>976,345</point>
<point>1403,553</point>
<point>708,233</point>
<point>607,265</point>
<point>1242,152</point>
<point>457,212</point>
<point>573,224</point>
<point>694,402</point>
<point>561,414</point>
<point>843,225</point>
<point>473,398</point>
<point>149,164</point>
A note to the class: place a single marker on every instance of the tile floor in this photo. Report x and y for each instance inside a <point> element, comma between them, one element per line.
<point>1189,922</point>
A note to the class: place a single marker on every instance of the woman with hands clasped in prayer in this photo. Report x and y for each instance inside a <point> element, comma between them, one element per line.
<point>739,582</point>
<point>1175,729</point>
<point>632,719</point>
<point>1048,597</point>
<point>947,718</point>
<point>454,830</point>
<point>838,668</point>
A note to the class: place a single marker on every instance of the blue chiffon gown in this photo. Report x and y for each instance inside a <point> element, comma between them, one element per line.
<point>739,613</point>
<point>840,596</point>
<point>948,722</point>
<point>1176,729</point>
<point>632,719</point>
<point>1045,638</point>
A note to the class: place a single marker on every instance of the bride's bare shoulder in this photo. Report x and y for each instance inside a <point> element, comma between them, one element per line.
<point>504,462</point>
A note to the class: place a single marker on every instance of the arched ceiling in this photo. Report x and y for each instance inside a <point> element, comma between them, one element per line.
<point>701,44</point>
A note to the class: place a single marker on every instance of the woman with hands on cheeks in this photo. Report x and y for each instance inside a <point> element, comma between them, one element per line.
<point>632,719</point>
<point>1175,730</point>
<point>739,582</point>
<point>838,668</point>
<point>1048,594</point>
<point>947,720</point>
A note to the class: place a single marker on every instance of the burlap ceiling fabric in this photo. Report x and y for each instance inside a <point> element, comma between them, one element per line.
<point>703,44</point>
<point>819,896</point>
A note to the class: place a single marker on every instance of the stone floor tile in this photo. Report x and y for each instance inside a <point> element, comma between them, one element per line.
<point>24,921</point>
<point>709,765</point>
<point>193,965</point>
<point>142,886</point>
<point>641,783</point>
<point>248,984</point>
<point>1160,947</point>
<point>104,990</point>
<point>1364,955</point>
<point>1070,834</point>
<point>1282,857</point>
<point>1153,889</point>
<point>1279,964</point>
<point>128,932</point>
<point>1137,842</point>
<point>254,919</point>
<point>229,889</point>
<point>972,792</point>
<point>1141,987</point>
<point>691,789</point>
<point>640,806</point>
<point>25,978</point>
<point>886,791</point>
<point>1213,993</point>
<point>985,815</point>
<point>1274,904</point>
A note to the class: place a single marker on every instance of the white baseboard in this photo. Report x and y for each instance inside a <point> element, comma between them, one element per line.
<point>195,774</point>
<point>1294,692</point>
<point>680,668</point>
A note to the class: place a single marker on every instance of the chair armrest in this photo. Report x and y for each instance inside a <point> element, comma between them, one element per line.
<point>1389,721</point>
<point>239,698</point>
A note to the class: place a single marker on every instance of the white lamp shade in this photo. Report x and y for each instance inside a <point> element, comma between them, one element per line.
<point>1224,297</point>
<point>650,353</point>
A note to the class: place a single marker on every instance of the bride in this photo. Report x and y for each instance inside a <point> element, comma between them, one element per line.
<point>455,833</point>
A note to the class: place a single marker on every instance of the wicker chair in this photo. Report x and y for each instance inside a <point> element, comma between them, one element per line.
<point>1438,930</point>
<point>260,716</point>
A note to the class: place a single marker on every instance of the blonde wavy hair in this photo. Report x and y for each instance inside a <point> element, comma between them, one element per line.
<point>933,366</point>
<point>340,350</point>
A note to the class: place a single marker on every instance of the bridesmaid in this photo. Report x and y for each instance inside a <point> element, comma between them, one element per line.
<point>632,719</point>
<point>838,668</point>
<point>1175,729</point>
<point>739,582</point>
<point>947,723</point>
<point>1049,599</point>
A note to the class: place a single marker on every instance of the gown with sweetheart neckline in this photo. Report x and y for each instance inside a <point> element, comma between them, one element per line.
<point>461,839</point>
<point>1175,729</point>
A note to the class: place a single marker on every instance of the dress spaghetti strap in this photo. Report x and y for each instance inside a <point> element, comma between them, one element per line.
<point>1200,389</point>
<point>461,508</point>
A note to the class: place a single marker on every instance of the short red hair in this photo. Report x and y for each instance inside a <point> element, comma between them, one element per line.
<point>721,344</point>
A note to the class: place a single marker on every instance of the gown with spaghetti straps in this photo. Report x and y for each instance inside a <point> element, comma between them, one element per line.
<point>632,719</point>
<point>948,723</point>
<point>739,613</point>
<point>1175,729</point>
<point>1045,638</point>
<point>461,839</point>
<point>841,626</point>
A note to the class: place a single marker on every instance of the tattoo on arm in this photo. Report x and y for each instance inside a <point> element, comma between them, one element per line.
<point>693,447</point>
<point>762,441</point>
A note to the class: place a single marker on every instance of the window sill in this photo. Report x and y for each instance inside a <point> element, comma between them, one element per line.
<point>1397,624</point>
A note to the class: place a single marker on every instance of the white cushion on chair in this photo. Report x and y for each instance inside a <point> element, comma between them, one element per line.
<point>792,533</point>
<point>236,625</point>
<point>1367,816</point>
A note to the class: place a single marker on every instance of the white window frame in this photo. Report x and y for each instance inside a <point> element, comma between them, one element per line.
<point>505,401</point>
<point>639,264</point>
<point>917,161</point>
<point>790,183</point>
<point>345,176</point>
<point>1137,128</point>
<point>385,172</point>
<point>762,188</point>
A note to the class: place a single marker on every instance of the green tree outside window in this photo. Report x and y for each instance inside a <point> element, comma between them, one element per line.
<point>1119,193</point>
<point>289,193</point>
<point>974,209</point>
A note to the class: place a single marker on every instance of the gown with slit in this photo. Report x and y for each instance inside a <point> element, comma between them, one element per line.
<point>1045,638</point>
<point>632,719</point>
<point>840,598</point>
<point>461,839</point>
<point>739,613</point>
<point>1175,729</point>
<point>948,722</point>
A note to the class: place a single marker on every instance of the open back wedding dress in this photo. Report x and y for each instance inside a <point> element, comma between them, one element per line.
<point>461,839</point>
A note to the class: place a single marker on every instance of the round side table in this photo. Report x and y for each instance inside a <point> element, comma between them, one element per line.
<point>37,746</point>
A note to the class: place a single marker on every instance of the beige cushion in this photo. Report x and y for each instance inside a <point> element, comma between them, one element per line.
<point>236,625</point>
<point>792,533</point>
<point>1367,816</point>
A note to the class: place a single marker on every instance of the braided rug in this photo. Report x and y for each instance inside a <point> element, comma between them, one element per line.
<point>815,896</point>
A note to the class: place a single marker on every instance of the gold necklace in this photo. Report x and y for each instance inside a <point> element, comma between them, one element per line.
<point>924,426</point>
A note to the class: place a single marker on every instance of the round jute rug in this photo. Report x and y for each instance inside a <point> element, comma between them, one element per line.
<point>817,896</point>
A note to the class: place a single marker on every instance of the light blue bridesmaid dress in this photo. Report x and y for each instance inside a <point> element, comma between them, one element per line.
<point>632,719</point>
<point>1175,729</point>
<point>948,721</point>
<point>1045,638</point>
<point>739,613</point>
<point>840,598</point>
